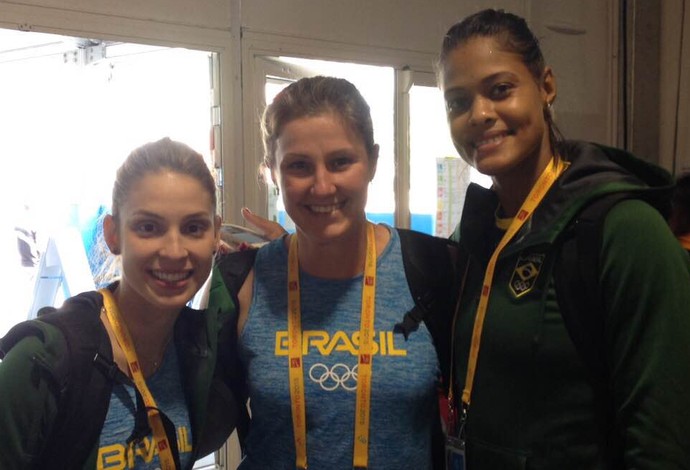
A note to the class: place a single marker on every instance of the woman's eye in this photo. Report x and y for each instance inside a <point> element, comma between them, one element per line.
<point>146,228</point>
<point>341,163</point>
<point>458,104</point>
<point>196,228</point>
<point>297,166</point>
<point>501,90</point>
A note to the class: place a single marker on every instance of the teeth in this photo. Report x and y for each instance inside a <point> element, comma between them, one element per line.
<point>325,209</point>
<point>171,277</point>
<point>492,140</point>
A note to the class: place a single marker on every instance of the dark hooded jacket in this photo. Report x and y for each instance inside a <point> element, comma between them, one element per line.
<point>30,404</point>
<point>534,403</point>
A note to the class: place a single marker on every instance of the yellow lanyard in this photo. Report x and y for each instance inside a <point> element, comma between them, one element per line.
<point>366,346</point>
<point>541,187</point>
<point>125,341</point>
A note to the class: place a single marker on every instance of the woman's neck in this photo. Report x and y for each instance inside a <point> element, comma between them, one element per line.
<point>514,187</point>
<point>150,328</point>
<point>510,199</point>
<point>342,258</point>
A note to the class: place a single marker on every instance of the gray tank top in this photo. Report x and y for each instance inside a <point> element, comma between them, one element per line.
<point>404,372</point>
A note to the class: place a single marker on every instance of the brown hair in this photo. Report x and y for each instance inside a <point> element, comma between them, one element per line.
<point>313,96</point>
<point>153,157</point>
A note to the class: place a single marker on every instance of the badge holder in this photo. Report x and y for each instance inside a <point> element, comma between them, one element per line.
<point>455,446</point>
<point>455,453</point>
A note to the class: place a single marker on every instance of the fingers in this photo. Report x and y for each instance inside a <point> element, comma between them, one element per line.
<point>267,228</point>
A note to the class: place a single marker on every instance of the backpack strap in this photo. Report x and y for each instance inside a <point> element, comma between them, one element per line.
<point>81,379</point>
<point>234,268</point>
<point>581,303</point>
<point>576,275</point>
<point>430,273</point>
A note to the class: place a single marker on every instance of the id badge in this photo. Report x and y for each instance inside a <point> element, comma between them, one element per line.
<point>455,453</point>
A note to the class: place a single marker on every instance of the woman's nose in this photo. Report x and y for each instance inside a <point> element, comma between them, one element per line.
<point>323,182</point>
<point>482,111</point>
<point>174,246</point>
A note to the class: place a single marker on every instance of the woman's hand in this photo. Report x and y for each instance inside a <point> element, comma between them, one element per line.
<point>269,229</point>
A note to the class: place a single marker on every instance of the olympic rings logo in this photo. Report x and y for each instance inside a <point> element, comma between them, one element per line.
<point>339,375</point>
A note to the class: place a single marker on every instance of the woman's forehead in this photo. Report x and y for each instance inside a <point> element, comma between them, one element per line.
<point>479,58</point>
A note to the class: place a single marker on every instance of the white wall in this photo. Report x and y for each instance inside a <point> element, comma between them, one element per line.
<point>578,41</point>
<point>415,25</point>
<point>204,13</point>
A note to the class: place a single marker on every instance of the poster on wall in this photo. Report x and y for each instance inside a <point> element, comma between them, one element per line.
<point>452,179</point>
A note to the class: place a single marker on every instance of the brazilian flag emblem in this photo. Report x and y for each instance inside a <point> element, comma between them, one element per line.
<point>526,273</point>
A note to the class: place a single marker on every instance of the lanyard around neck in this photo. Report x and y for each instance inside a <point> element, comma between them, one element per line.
<point>125,341</point>
<point>364,368</point>
<point>550,174</point>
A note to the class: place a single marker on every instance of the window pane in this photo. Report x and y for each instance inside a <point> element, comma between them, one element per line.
<point>430,144</point>
<point>438,177</point>
<point>67,125</point>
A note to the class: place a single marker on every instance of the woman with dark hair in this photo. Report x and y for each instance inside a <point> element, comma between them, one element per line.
<point>526,396</point>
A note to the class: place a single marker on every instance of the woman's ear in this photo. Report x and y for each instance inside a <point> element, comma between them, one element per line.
<point>373,162</point>
<point>110,234</point>
<point>217,222</point>
<point>548,86</point>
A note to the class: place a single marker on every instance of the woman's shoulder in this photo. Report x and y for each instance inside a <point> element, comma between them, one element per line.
<point>32,337</point>
<point>50,330</point>
<point>274,249</point>
<point>635,218</point>
<point>31,344</point>
<point>636,238</point>
<point>56,331</point>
